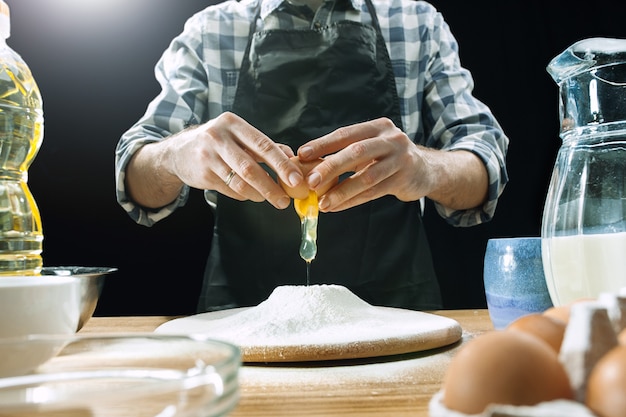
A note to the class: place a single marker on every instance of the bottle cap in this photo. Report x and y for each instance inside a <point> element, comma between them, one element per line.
<point>5,20</point>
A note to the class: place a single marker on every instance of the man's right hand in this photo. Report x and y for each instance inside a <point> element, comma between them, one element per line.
<point>223,154</point>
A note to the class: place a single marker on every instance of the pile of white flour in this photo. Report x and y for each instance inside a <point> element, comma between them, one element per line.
<point>304,315</point>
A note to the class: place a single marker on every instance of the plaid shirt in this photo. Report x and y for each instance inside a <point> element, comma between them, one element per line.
<point>198,74</point>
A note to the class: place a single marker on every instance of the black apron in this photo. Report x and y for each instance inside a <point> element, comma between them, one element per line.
<point>294,86</point>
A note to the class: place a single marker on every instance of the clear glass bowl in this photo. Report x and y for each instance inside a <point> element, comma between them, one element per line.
<point>136,375</point>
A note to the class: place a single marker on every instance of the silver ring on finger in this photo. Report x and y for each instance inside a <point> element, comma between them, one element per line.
<point>229,177</point>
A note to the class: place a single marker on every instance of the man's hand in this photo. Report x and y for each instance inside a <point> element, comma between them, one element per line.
<point>223,154</point>
<point>382,160</point>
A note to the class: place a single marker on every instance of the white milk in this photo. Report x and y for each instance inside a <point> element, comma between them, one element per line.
<point>581,266</point>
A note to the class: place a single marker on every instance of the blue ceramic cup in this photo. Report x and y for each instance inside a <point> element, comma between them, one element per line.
<point>514,281</point>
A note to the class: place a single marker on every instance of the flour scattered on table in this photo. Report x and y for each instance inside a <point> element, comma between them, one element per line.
<point>304,315</point>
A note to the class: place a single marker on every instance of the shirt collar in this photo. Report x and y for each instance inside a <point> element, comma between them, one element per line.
<point>268,6</point>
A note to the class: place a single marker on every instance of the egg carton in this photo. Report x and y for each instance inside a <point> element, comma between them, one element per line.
<point>556,408</point>
<point>591,332</point>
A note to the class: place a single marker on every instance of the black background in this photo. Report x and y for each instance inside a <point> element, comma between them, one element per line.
<point>94,60</point>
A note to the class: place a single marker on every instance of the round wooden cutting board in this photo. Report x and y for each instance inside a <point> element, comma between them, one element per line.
<point>412,331</point>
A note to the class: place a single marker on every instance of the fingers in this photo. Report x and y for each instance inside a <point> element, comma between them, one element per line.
<point>371,153</point>
<point>242,148</point>
<point>302,190</point>
<point>286,149</point>
<point>249,181</point>
<point>343,137</point>
<point>350,149</point>
<point>263,149</point>
<point>229,177</point>
<point>366,184</point>
<point>239,188</point>
<point>233,186</point>
<point>375,156</point>
<point>365,162</point>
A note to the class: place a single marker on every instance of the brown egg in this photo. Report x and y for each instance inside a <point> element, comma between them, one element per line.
<point>545,327</point>
<point>562,312</point>
<point>606,387</point>
<point>558,312</point>
<point>504,367</point>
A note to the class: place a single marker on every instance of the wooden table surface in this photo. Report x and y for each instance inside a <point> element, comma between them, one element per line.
<point>398,386</point>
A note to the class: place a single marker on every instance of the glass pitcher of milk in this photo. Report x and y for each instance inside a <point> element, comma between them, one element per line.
<point>584,219</point>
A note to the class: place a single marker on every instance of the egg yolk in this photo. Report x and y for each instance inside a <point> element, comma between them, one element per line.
<point>307,207</point>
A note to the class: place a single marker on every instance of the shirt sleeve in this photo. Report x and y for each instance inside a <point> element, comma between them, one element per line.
<point>456,120</point>
<point>181,103</point>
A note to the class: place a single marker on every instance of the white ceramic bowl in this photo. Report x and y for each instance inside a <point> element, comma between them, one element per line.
<point>139,375</point>
<point>35,305</point>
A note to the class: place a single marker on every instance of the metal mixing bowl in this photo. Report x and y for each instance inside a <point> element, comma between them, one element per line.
<point>91,286</point>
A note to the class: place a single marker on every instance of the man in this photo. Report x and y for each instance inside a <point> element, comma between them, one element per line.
<point>370,92</point>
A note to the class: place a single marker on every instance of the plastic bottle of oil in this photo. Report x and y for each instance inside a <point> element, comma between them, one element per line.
<point>21,135</point>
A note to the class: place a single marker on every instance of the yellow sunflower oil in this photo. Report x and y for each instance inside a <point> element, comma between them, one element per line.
<point>21,135</point>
